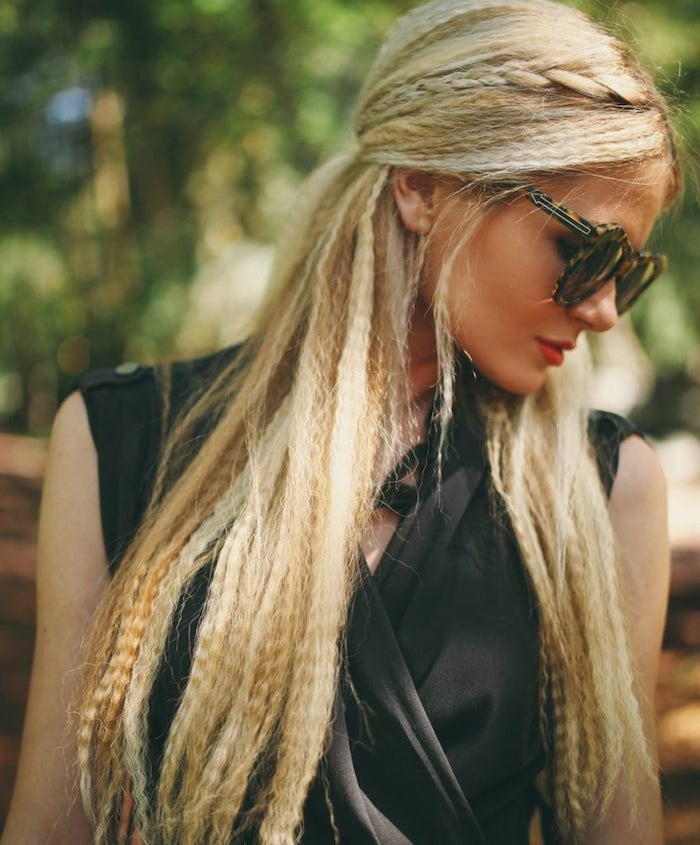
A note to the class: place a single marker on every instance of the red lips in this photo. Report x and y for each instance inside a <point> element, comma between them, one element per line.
<point>553,350</point>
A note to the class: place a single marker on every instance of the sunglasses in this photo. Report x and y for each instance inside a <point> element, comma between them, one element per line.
<point>605,254</point>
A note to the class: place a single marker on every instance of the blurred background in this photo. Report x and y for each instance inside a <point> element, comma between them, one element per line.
<point>150,152</point>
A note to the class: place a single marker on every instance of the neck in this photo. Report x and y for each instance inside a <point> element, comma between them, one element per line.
<point>422,354</point>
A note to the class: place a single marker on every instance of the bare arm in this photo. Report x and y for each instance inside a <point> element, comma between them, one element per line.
<point>638,511</point>
<point>71,575</point>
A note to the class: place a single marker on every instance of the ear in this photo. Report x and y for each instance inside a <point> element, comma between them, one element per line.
<point>414,194</point>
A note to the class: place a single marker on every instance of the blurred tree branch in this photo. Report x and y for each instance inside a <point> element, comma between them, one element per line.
<point>143,141</point>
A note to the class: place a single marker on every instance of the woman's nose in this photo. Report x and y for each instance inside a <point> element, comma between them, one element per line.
<point>599,311</point>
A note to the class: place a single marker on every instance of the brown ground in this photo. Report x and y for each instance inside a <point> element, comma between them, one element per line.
<point>678,700</point>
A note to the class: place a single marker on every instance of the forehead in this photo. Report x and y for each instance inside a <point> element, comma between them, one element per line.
<point>634,198</point>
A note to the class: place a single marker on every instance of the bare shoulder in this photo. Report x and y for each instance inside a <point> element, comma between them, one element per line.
<point>71,418</point>
<point>70,438</point>
<point>71,547</point>
<point>71,577</point>
<point>640,477</point>
<point>638,510</point>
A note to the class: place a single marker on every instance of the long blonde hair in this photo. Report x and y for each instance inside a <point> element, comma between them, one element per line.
<point>279,495</point>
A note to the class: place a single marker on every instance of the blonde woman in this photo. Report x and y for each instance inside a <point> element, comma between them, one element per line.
<point>378,575</point>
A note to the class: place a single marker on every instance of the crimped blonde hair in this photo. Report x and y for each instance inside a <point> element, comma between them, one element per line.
<point>308,421</point>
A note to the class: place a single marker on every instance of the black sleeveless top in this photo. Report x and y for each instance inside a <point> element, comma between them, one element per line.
<point>441,640</point>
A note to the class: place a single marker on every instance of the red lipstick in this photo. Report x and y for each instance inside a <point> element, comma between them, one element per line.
<point>553,350</point>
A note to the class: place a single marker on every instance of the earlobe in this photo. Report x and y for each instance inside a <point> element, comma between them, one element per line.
<point>413,195</point>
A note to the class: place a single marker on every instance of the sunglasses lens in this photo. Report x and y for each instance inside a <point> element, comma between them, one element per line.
<point>592,266</point>
<point>631,284</point>
<point>605,254</point>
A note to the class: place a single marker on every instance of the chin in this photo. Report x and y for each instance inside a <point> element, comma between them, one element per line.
<point>523,385</point>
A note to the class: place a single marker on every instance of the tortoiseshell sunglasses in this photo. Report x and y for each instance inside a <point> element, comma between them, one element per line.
<point>605,254</point>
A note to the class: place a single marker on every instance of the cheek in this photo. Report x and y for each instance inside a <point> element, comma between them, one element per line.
<point>494,287</point>
<point>515,253</point>
<point>499,281</point>
<point>483,294</point>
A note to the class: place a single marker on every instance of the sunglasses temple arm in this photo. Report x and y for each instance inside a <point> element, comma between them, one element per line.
<point>570,222</point>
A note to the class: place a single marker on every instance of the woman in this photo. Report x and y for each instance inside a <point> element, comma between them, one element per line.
<point>250,674</point>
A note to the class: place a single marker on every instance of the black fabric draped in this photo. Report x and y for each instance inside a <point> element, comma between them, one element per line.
<point>435,735</point>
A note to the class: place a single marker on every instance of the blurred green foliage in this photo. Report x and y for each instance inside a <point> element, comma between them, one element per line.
<point>141,139</point>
